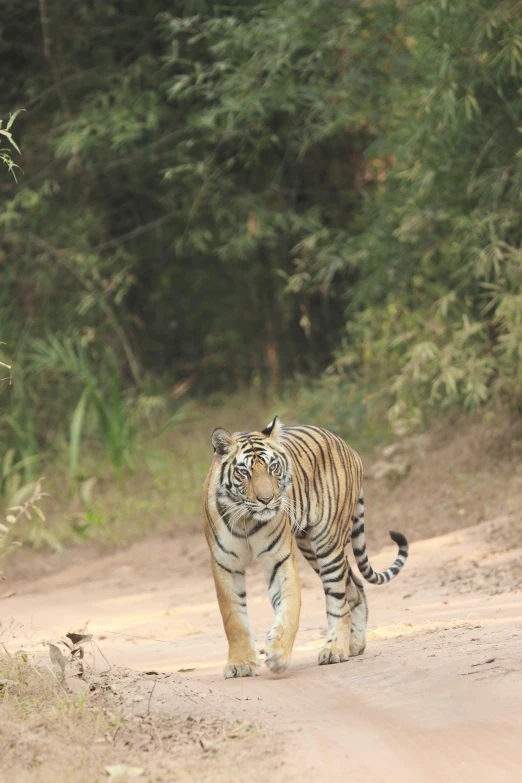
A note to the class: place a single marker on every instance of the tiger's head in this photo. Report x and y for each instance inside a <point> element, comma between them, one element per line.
<point>255,472</point>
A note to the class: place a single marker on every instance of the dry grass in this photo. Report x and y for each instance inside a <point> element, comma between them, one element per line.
<point>48,734</point>
<point>41,722</point>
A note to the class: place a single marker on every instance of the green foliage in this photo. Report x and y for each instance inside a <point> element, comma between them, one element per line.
<point>5,153</point>
<point>442,243</point>
<point>235,197</point>
<point>434,304</point>
<point>26,505</point>
<point>114,419</point>
<point>115,412</point>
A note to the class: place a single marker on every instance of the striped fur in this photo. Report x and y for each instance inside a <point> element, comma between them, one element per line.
<point>266,490</point>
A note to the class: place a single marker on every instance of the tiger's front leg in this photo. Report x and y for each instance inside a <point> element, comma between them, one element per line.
<point>231,594</point>
<point>284,590</point>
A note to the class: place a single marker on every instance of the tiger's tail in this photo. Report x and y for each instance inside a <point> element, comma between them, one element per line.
<point>359,550</point>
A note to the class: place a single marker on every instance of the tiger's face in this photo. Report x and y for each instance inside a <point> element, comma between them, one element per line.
<point>255,473</point>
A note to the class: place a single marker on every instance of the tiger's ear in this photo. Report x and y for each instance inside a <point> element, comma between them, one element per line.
<point>273,430</point>
<point>223,441</point>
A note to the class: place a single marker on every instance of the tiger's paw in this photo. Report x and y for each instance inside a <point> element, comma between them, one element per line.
<point>333,652</point>
<point>239,669</point>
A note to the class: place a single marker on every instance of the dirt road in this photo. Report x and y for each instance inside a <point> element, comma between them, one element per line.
<point>436,697</point>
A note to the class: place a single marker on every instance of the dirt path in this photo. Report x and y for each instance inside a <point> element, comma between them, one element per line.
<point>436,697</point>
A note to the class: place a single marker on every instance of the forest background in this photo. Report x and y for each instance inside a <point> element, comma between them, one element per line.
<point>226,211</point>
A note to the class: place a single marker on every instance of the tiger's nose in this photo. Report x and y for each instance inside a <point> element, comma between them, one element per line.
<point>266,500</point>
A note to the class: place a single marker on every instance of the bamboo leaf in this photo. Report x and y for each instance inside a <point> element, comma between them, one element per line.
<point>76,430</point>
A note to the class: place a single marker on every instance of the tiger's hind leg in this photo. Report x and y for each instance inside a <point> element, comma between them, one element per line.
<point>345,601</point>
<point>359,613</point>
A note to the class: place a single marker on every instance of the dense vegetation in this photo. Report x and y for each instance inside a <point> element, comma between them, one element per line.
<point>230,196</point>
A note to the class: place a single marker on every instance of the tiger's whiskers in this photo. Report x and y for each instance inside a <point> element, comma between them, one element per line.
<point>294,511</point>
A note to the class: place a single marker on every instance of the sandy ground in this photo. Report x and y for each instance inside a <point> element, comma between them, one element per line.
<point>437,696</point>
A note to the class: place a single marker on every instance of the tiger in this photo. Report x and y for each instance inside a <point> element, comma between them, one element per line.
<point>267,492</point>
